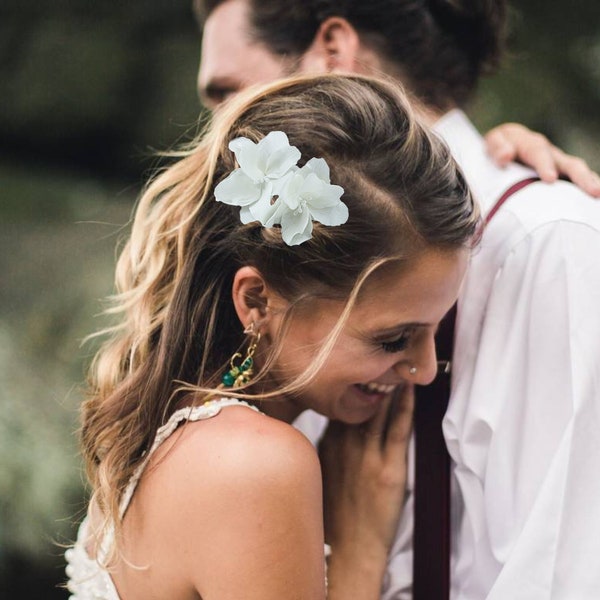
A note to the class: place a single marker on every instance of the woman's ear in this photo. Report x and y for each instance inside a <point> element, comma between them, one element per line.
<point>335,47</point>
<point>253,300</point>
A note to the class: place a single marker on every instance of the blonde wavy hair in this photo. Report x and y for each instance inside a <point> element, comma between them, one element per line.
<point>178,327</point>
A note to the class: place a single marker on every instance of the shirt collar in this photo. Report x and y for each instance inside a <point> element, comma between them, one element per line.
<point>487,180</point>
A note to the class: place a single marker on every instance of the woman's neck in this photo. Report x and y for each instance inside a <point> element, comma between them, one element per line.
<point>283,409</point>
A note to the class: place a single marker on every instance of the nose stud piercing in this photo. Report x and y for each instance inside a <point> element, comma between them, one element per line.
<point>412,370</point>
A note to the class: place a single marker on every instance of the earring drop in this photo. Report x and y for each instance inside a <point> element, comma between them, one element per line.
<point>239,375</point>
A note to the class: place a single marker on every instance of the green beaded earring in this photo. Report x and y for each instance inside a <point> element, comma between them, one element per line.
<point>239,375</point>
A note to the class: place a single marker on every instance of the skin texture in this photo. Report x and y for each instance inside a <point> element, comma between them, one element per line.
<point>396,304</point>
<point>191,519</point>
<point>216,496</point>
<point>231,61</point>
<point>359,526</point>
<point>363,463</point>
<point>363,454</point>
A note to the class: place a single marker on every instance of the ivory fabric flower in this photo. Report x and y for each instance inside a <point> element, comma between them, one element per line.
<point>307,195</point>
<point>261,166</point>
<point>270,188</point>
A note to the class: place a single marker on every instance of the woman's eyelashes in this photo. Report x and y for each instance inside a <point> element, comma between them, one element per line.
<point>400,343</point>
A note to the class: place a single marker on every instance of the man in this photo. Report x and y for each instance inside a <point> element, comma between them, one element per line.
<point>524,415</point>
<point>283,40</point>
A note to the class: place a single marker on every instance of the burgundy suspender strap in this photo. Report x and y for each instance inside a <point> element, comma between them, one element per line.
<point>513,189</point>
<point>431,541</point>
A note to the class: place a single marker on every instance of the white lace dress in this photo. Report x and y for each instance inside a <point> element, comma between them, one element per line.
<point>87,580</point>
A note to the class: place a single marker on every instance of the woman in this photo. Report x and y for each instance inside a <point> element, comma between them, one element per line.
<point>299,256</point>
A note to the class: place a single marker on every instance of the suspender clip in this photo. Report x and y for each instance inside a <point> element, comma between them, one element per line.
<point>444,366</point>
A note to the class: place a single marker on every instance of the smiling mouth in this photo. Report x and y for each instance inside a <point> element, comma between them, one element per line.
<point>375,388</point>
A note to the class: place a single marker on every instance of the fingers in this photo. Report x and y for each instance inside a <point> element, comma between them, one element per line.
<point>578,171</point>
<point>388,431</point>
<point>514,142</point>
<point>401,418</point>
<point>499,147</point>
<point>374,429</point>
<point>536,152</point>
<point>332,438</point>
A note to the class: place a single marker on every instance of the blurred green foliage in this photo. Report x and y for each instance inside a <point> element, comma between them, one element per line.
<point>551,77</point>
<point>89,90</point>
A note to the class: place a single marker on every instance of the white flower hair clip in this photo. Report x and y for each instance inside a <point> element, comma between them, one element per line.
<point>271,188</point>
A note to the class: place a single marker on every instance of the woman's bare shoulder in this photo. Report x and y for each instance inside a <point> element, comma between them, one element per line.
<point>239,489</point>
<point>238,436</point>
<point>240,448</point>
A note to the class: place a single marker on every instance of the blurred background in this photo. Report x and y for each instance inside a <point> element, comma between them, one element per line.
<point>89,91</point>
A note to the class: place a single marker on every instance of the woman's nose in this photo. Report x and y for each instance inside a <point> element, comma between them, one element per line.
<point>420,366</point>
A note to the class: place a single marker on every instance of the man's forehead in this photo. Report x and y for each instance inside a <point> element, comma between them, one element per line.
<point>226,27</point>
<point>231,59</point>
<point>224,42</point>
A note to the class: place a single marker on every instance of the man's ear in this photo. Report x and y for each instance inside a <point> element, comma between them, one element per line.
<point>335,47</point>
<point>253,300</point>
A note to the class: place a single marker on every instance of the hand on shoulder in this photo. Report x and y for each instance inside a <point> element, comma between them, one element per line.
<point>512,141</point>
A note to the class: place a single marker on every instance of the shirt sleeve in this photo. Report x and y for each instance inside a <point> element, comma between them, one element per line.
<point>397,582</point>
<point>525,430</point>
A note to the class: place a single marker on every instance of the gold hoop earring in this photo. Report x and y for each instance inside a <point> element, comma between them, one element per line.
<point>239,375</point>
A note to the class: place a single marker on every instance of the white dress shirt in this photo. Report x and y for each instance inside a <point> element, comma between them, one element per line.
<point>523,423</point>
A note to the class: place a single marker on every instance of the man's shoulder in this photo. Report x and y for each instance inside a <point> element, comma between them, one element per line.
<point>556,221</point>
<point>542,204</point>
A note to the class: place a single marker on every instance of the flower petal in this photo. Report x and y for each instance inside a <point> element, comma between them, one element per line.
<point>320,194</point>
<point>237,189</point>
<point>279,157</point>
<point>280,162</point>
<point>290,188</point>
<point>237,144</point>
<point>296,227</point>
<point>263,209</point>
<point>273,141</point>
<point>249,157</point>
<point>278,210</point>
<point>331,215</point>
<point>246,216</point>
<point>319,167</point>
<point>280,184</point>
